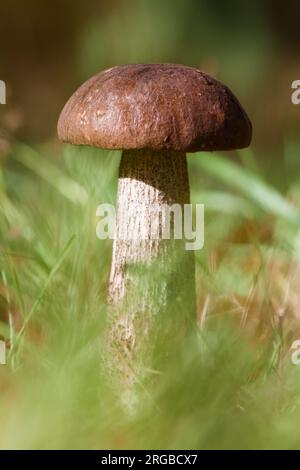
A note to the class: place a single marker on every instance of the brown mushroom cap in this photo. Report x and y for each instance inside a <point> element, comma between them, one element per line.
<point>157,106</point>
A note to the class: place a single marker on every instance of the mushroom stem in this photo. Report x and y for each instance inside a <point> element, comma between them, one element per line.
<point>152,278</point>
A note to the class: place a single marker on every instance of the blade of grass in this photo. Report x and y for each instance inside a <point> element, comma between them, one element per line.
<point>248,160</point>
<point>65,185</point>
<point>52,273</point>
<point>252,186</point>
<point>10,316</point>
<point>19,293</point>
<point>230,203</point>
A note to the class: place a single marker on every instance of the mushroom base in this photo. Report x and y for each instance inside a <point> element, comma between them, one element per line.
<point>152,279</point>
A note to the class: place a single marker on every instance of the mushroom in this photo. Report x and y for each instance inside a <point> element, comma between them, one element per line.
<point>154,113</point>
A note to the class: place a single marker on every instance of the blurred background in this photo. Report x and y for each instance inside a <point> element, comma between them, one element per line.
<point>241,390</point>
<point>49,47</point>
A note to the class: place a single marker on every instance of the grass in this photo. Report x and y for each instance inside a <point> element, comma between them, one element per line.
<point>234,388</point>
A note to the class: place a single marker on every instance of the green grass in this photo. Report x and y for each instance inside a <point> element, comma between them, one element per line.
<point>234,388</point>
